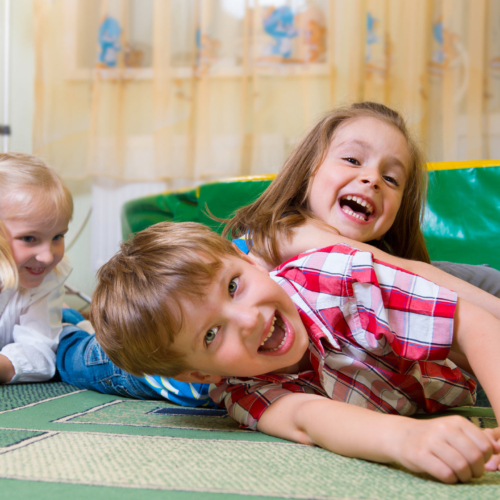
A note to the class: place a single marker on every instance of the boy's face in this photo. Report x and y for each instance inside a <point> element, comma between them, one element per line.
<point>244,325</point>
<point>37,246</point>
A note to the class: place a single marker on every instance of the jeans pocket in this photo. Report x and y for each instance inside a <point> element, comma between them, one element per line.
<point>116,386</point>
<point>94,355</point>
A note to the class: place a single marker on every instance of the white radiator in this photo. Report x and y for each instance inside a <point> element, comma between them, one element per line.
<point>108,197</point>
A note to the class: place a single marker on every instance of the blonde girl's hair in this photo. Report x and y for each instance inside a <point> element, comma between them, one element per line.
<point>284,205</point>
<point>29,185</point>
<point>8,268</point>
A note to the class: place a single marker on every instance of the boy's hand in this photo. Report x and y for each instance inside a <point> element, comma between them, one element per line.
<point>449,448</point>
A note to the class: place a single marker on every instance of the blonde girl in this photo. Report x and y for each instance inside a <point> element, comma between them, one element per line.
<point>35,208</point>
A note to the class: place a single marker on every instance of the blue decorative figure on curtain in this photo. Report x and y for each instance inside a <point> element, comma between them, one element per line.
<point>438,33</point>
<point>371,36</point>
<point>109,40</point>
<point>279,24</point>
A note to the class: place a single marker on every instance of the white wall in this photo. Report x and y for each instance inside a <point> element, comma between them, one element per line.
<point>21,104</point>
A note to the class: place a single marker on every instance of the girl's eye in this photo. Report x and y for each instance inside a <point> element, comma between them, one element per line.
<point>392,180</point>
<point>58,237</point>
<point>233,286</point>
<point>352,160</point>
<point>28,239</point>
<point>210,335</point>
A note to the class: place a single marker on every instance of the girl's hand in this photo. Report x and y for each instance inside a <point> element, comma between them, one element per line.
<point>452,449</point>
<point>494,462</point>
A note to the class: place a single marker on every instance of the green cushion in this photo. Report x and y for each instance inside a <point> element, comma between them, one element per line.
<point>462,222</point>
<point>221,199</point>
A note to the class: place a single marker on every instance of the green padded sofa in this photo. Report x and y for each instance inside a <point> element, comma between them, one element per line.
<point>462,221</point>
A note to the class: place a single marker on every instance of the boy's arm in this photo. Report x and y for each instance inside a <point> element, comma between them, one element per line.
<point>310,235</point>
<point>450,448</point>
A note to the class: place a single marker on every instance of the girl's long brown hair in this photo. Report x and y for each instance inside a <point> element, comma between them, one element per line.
<point>284,204</point>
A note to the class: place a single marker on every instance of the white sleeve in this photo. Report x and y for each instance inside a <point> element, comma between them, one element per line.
<point>35,335</point>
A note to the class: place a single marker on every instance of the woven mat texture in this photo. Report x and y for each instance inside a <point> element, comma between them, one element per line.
<point>59,442</point>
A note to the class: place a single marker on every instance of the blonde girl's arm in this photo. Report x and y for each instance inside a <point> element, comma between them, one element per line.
<point>311,235</point>
<point>7,370</point>
<point>34,318</point>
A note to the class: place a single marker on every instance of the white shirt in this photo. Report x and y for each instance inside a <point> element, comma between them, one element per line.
<point>30,325</point>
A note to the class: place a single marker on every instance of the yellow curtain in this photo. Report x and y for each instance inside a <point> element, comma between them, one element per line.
<point>142,90</point>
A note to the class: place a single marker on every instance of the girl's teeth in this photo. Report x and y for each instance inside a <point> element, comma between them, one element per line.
<point>347,210</point>
<point>360,201</point>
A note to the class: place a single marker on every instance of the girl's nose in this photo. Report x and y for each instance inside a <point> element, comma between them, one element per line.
<point>372,178</point>
<point>45,255</point>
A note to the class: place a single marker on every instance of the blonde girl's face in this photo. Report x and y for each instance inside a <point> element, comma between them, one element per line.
<point>359,187</point>
<point>37,245</point>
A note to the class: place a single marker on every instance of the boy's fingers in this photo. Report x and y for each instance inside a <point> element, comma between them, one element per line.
<point>494,436</point>
<point>439,469</point>
<point>476,447</point>
<point>484,441</point>
<point>461,464</point>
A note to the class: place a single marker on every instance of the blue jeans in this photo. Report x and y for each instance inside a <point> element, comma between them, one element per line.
<point>82,362</point>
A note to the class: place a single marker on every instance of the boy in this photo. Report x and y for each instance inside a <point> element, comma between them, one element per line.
<point>180,301</point>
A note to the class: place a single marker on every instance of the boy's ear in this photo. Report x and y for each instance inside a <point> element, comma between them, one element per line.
<point>257,262</point>
<point>202,378</point>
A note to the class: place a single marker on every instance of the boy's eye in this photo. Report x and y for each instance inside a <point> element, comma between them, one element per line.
<point>392,180</point>
<point>28,239</point>
<point>352,160</point>
<point>58,237</point>
<point>210,335</point>
<point>233,286</point>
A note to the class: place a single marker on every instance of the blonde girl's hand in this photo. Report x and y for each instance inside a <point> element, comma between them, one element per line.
<point>452,449</point>
<point>7,370</point>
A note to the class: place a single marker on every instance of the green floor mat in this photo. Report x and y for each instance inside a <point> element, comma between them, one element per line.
<point>72,444</point>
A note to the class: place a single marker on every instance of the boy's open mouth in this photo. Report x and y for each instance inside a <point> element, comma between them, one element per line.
<point>276,337</point>
<point>356,206</point>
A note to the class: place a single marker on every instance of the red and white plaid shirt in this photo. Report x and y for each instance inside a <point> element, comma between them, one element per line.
<point>379,337</point>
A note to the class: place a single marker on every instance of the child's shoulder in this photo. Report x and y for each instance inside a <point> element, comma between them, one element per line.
<point>322,253</point>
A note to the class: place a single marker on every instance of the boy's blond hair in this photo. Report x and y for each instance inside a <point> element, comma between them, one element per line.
<point>285,203</point>
<point>8,268</point>
<point>29,185</point>
<point>136,310</point>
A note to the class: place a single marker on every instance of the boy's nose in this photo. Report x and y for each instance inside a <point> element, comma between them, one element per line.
<point>248,319</point>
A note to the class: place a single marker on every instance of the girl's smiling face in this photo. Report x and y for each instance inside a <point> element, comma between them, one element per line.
<point>37,245</point>
<point>360,184</point>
